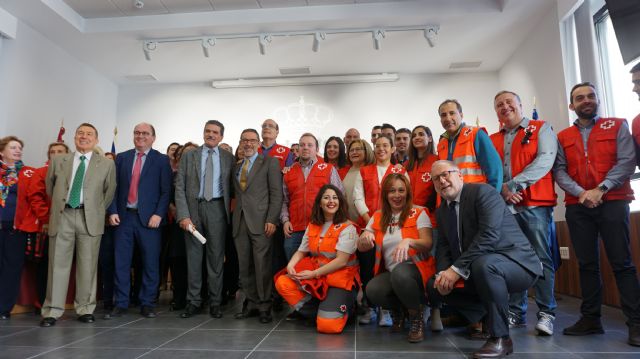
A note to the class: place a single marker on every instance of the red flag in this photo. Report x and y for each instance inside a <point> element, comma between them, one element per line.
<point>61,132</point>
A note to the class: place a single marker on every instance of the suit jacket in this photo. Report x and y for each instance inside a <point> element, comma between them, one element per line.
<point>261,201</point>
<point>154,188</point>
<point>486,226</point>
<point>98,188</point>
<point>188,184</point>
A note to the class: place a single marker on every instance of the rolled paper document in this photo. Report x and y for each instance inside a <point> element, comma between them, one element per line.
<point>197,234</point>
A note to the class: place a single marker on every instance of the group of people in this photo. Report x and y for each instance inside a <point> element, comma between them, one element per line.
<point>468,226</point>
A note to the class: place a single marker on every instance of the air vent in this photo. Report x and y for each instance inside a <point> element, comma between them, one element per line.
<point>465,65</point>
<point>295,70</point>
<point>141,78</point>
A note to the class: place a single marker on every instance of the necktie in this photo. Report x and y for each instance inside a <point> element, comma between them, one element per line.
<point>76,187</point>
<point>132,198</point>
<point>452,233</point>
<point>208,177</point>
<point>243,175</point>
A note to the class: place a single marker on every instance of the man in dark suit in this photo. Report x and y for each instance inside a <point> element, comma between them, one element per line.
<point>258,189</point>
<point>139,205</point>
<point>481,244</point>
<point>203,199</point>
<point>81,186</point>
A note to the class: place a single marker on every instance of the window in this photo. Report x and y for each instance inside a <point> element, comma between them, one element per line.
<point>617,99</point>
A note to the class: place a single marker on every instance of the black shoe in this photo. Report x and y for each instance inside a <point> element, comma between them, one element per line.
<point>585,326</point>
<point>215,311</point>
<point>148,312</point>
<point>265,317</point>
<point>117,312</point>
<point>5,316</point>
<point>190,311</point>
<point>495,348</point>
<point>87,318</point>
<point>247,313</point>
<point>293,316</point>
<point>278,304</point>
<point>48,322</point>
<point>634,335</point>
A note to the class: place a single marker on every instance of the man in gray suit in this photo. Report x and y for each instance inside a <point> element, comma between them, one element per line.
<point>258,189</point>
<point>81,186</point>
<point>203,198</point>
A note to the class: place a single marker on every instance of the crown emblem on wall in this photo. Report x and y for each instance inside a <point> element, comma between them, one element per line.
<point>303,115</point>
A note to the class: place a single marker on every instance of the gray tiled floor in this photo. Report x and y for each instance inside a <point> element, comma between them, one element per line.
<point>203,337</point>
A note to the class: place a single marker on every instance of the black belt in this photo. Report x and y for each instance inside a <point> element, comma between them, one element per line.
<point>212,199</point>
<point>132,210</point>
<point>79,206</point>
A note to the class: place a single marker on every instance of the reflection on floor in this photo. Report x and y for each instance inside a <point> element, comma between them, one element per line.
<point>169,336</point>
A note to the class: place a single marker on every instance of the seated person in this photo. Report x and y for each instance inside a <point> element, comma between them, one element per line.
<point>401,236</point>
<point>480,243</point>
<point>326,256</point>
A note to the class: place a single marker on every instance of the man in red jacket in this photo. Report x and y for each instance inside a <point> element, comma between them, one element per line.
<point>594,163</point>
<point>635,126</point>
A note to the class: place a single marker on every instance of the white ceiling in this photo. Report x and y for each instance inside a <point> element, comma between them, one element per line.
<point>108,34</point>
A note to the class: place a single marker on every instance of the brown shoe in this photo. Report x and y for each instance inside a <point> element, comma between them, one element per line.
<point>477,332</point>
<point>634,335</point>
<point>495,348</point>
<point>399,317</point>
<point>416,325</point>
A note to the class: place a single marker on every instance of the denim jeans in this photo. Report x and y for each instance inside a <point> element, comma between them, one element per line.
<point>292,244</point>
<point>534,223</point>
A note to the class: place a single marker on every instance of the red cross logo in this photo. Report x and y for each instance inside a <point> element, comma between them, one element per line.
<point>467,131</point>
<point>280,150</point>
<point>530,128</point>
<point>607,124</point>
<point>322,166</point>
<point>426,177</point>
<point>413,212</point>
<point>28,173</point>
<point>395,170</point>
<point>337,226</point>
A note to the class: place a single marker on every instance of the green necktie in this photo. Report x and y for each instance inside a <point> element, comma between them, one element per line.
<point>76,187</point>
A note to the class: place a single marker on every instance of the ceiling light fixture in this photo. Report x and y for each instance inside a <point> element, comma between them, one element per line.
<point>378,35</point>
<point>148,47</point>
<point>207,43</point>
<point>317,37</point>
<point>304,80</point>
<point>430,33</point>
<point>138,4</point>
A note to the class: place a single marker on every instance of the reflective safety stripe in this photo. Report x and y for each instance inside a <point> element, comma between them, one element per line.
<point>471,171</point>
<point>351,263</point>
<point>465,159</point>
<point>329,254</point>
<point>302,302</point>
<point>420,257</point>
<point>330,315</point>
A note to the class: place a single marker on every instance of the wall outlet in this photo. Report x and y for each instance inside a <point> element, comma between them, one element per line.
<point>564,252</point>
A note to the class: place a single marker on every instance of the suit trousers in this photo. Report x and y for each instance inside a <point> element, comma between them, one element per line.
<point>149,241</point>
<point>106,263</point>
<point>254,259</point>
<point>72,234</point>
<point>610,221</point>
<point>12,247</point>
<point>213,225</point>
<point>486,292</point>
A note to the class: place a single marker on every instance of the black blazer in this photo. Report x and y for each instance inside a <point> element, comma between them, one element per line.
<point>486,226</point>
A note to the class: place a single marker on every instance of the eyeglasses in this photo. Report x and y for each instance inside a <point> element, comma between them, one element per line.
<point>140,133</point>
<point>268,125</point>
<point>444,175</point>
<point>248,140</point>
<point>356,149</point>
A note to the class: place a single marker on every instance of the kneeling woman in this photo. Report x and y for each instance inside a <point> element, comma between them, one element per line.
<point>324,261</point>
<point>401,236</point>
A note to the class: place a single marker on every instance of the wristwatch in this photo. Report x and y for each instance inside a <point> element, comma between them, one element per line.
<point>603,188</point>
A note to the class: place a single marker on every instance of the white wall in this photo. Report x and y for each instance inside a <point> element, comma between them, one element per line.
<point>41,84</point>
<point>536,69</point>
<point>179,111</point>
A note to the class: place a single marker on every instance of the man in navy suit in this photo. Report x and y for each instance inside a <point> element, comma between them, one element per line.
<point>139,205</point>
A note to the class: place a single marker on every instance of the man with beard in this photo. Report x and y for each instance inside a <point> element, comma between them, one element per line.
<point>595,160</point>
<point>635,126</point>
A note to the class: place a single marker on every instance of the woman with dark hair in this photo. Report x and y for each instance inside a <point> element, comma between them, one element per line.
<point>421,157</point>
<point>12,242</point>
<point>335,154</point>
<point>171,153</point>
<point>366,198</point>
<point>325,264</point>
<point>401,235</point>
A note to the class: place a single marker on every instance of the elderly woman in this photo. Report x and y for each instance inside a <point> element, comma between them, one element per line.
<point>400,233</point>
<point>324,261</point>
<point>12,242</point>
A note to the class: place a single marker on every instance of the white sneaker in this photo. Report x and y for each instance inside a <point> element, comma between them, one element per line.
<point>368,317</point>
<point>436,321</point>
<point>384,319</point>
<point>545,324</point>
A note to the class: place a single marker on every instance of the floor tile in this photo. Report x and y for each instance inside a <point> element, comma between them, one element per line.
<point>93,353</point>
<point>308,341</point>
<point>217,340</point>
<point>195,354</point>
<point>20,352</point>
<point>127,338</point>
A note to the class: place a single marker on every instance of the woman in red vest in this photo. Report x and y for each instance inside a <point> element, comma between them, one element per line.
<point>322,276</point>
<point>335,154</point>
<point>366,195</point>
<point>400,233</point>
<point>421,157</point>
